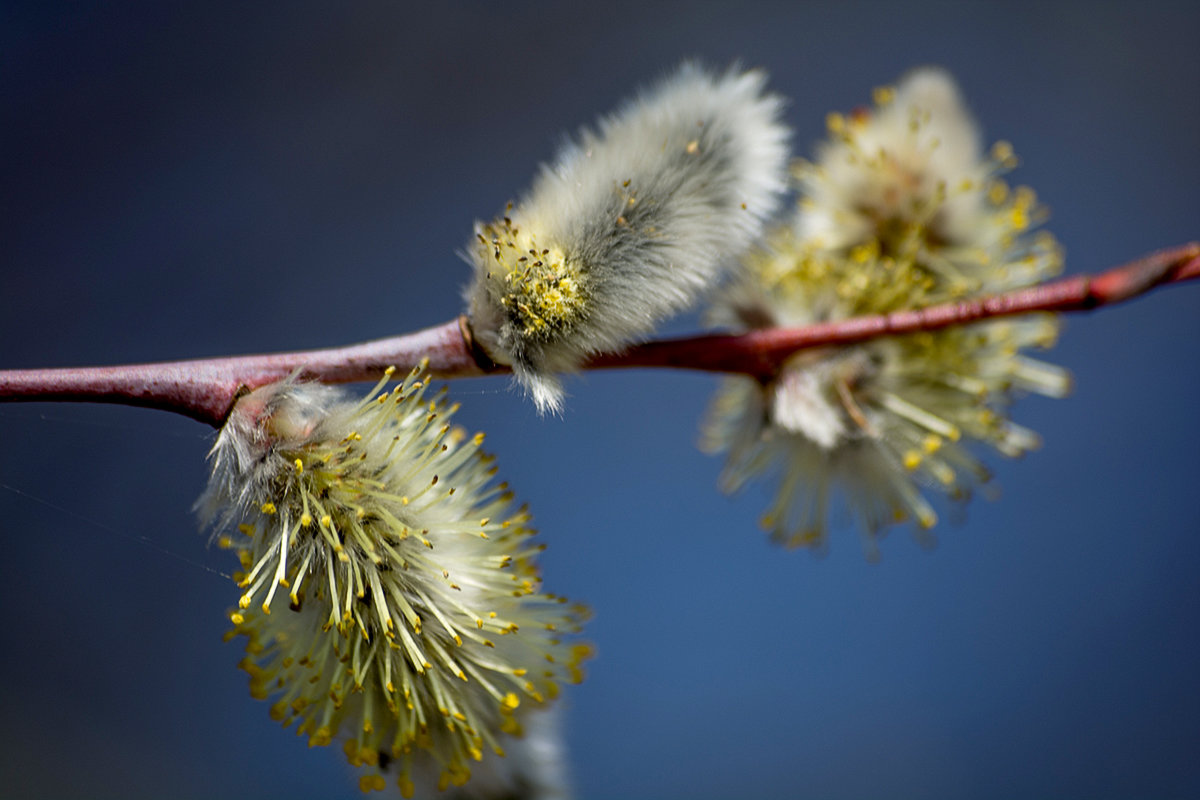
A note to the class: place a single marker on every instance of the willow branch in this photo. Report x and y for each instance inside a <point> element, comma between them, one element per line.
<point>760,352</point>
<point>205,389</point>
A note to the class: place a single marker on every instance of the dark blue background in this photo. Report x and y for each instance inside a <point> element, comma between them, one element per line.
<point>236,177</point>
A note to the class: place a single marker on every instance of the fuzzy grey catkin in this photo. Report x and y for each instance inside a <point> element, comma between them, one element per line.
<point>632,223</point>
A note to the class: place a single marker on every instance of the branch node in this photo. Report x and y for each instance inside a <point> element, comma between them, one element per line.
<point>482,359</point>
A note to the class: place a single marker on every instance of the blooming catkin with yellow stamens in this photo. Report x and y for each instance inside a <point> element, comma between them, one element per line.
<point>910,179</point>
<point>901,211</point>
<point>631,224</point>
<point>391,597</point>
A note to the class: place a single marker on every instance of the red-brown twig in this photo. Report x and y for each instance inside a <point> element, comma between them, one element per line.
<point>205,389</point>
<point>760,352</point>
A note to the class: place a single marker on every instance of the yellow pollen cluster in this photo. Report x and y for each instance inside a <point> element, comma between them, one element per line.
<point>903,203</point>
<point>543,293</point>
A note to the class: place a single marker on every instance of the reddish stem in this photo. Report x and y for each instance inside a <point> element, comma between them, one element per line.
<point>205,389</point>
<point>760,352</point>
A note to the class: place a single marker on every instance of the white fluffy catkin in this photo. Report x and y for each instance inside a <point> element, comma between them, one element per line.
<point>632,223</point>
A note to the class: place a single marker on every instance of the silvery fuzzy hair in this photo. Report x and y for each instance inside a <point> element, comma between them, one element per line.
<point>632,223</point>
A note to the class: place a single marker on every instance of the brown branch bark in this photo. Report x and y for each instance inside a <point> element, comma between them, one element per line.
<point>205,389</point>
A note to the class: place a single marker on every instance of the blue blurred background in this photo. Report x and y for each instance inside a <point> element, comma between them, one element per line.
<point>216,178</point>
